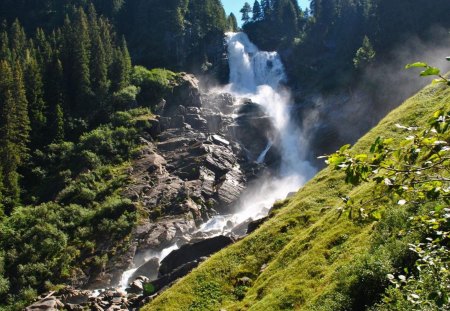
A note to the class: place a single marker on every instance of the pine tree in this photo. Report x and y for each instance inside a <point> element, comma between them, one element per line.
<point>105,31</point>
<point>22,121</point>
<point>266,8</point>
<point>257,12</point>
<point>35,97</point>
<point>246,10</point>
<point>81,92</point>
<point>43,48</point>
<point>5,51</point>
<point>232,23</point>
<point>59,124</point>
<point>364,55</point>
<point>99,71</point>
<point>55,100</point>
<point>14,130</point>
<point>18,41</point>
<point>121,68</point>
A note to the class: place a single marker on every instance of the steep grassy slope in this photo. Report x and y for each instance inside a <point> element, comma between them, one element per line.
<point>307,257</point>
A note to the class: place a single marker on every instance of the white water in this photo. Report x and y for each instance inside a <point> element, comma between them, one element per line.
<point>259,76</point>
<point>125,280</point>
<point>263,154</point>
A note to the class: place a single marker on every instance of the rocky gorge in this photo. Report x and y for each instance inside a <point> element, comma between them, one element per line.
<point>197,155</point>
<point>211,164</point>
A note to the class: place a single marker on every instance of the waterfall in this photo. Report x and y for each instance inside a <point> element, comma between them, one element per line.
<point>260,76</point>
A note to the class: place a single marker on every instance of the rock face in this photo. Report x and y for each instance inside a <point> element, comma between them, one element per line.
<point>196,159</point>
<point>192,252</point>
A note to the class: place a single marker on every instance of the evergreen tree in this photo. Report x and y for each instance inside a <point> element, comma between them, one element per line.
<point>81,92</point>
<point>15,128</point>
<point>99,63</point>
<point>22,121</point>
<point>232,23</point>
<point>287,18</point>
<point>266,8</point>
<point>43,48</point>
<point>18,40</point>
<point>257,12</point>
<point>35,97</point>
<point>55,99</point>
<point>364,55</point>
<point>5,52</point>
<point>59,124</point>
<point>121,67</point>
<point>246,10</point>
<point>106,38</point>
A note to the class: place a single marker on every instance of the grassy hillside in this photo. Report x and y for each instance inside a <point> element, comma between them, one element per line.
<point>307,256</point>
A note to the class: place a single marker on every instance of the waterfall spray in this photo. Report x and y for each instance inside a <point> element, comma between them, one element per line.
<point>260,75</point>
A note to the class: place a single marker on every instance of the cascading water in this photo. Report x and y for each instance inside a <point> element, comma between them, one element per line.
<point>259,76</point>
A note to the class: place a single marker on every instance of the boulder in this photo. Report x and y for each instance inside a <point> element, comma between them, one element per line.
<point>186,93</point>
<point>148,269</point>
<point>177,273</point>
<point>197,122</point>
<point>177,121</point>
<point>253,225</point>
<point>46,304</point>
<point>191,252</point>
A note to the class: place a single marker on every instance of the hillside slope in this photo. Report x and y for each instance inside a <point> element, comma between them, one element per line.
<point>306,256</point>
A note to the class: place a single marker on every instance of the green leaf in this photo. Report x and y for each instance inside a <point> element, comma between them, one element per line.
<point>416,65</point>
<point>448,58</point>
<point>344,148</point>
<point>430,71</point>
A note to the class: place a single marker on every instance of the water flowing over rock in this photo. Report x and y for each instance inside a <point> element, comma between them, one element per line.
<point>198,174</point>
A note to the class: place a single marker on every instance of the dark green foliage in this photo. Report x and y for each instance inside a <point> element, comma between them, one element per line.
<point>257,11</point>
<point>246,10</point>
<point>78,205</point>
<point>275,24</point>
<point>364,55</point>
<point>326,47</point>
<point>35,97</point>
<point>232,23</point>
<point>154,84</point>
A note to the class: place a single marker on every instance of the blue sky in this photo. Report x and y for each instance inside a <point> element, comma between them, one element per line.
<point>236,5</point>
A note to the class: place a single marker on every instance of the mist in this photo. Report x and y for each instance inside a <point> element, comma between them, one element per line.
<point>342,117</point>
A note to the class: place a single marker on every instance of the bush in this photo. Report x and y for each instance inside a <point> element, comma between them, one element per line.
<point>126,98</point>
<point>154,84</point>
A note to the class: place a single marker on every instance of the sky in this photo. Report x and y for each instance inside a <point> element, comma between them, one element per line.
<point>236,5</point>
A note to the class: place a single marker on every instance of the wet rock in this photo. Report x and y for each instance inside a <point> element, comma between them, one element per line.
<point>155,128</point>
<point>177,273</point>
<point>197,122</point>
<point>161,234</point>
<point>148,269</point>
<point>224,102</point>
<point>186,93</point>
<point>46,304</point>
<point>252,226</point>
<point>214,122</point>
<point>241,229</point>
<point>220,140</point>
<point>253,129</point>
<point>191,252</point>
<point>177,121</point>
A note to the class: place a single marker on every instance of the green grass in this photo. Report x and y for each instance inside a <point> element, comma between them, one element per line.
<point>307,251</point>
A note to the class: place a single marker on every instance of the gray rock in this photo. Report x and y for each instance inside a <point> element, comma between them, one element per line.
<point>191,252</point>
<point>148,269</point>
<point>252,226</point>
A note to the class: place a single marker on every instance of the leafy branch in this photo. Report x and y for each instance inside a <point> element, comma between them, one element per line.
<point>430,71</point>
